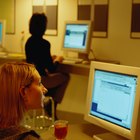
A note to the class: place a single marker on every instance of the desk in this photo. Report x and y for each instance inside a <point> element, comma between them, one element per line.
<point>81,69</point>
<point>76,132</point>
<point>9,57</point>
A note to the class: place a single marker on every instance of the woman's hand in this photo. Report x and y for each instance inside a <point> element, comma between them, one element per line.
<point>58,59</point>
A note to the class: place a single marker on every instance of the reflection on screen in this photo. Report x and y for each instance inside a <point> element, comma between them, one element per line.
<point>113,97</point>
<point>75,36</point>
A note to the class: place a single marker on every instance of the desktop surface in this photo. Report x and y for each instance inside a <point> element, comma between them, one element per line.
<point>8,55</point>
<point>83,131</point>
<point>72,68</point>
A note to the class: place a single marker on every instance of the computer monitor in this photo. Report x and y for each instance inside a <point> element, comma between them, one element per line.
<point>77,36</point>
<point>2,33</point>
<point>112,102</point>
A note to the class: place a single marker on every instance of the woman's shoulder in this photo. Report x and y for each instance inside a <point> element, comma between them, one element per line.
<point>29,135</point>
<point>18,133</point>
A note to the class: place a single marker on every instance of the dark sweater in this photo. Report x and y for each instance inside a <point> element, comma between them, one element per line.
<point>37,52</point>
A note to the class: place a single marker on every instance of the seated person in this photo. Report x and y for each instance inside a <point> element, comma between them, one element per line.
<point>20,90</point>
<point>37,51</point>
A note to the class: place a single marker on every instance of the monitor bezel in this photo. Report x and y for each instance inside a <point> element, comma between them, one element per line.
<point>88,41</point>
<point>130,134</point>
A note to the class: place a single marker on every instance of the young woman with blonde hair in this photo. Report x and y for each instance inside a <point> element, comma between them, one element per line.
<point>20,90</point>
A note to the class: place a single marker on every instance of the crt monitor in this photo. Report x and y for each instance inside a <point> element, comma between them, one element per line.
<point>112,103</point>
<point>2,33</point>
<point>77,36</point>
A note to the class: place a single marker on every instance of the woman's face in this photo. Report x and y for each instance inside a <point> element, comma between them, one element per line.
<point>34,93</point>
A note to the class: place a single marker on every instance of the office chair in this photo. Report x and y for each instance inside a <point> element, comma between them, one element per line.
<point>38,119</point>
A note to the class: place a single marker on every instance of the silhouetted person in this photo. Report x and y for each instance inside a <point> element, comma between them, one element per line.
<point>37,51</point>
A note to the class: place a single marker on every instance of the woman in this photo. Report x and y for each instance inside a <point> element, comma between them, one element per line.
<point>20,90</point>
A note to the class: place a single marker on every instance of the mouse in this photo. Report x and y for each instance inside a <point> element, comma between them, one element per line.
<point>85,62</point>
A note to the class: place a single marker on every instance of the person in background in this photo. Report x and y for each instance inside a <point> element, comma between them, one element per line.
<point>38,52</point>
<point>20,90</point>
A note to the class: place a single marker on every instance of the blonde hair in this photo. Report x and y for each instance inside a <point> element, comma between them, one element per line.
<point>13,75</point>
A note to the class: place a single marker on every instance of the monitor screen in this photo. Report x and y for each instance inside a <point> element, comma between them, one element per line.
<point>77,36</point>
<point>2,32</point>
<point>113,98</point>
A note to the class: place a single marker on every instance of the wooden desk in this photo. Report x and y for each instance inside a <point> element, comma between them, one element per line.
<point>81,69</point>
<point>76,132</point>
<point>9,57</point>
<point>66,68</point>
<point>84,131</point>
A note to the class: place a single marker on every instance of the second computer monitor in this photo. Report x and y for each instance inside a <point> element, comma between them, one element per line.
<point>112,103</point>
<point>77,36</point>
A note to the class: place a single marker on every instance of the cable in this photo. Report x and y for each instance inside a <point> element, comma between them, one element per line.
<point>92,52</point>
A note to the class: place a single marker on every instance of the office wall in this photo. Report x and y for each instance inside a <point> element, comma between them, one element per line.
<point>66,11</point>
<point>117,46</point>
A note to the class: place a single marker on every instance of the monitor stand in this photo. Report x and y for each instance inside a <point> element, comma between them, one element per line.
<point>108,136</point>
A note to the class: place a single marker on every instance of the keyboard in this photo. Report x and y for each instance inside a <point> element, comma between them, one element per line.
<point>71,60</point>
